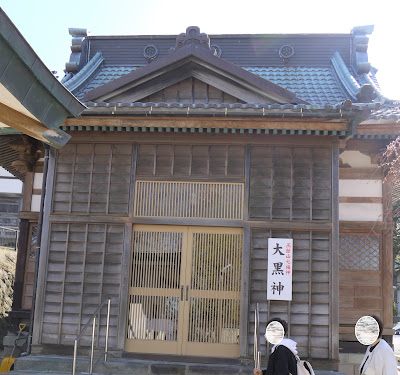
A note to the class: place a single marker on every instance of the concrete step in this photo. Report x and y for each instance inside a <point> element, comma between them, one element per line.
<point>60,365</point>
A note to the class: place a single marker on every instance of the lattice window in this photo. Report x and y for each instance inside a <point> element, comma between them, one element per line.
<point>189,199</point>
<point>359,253</point>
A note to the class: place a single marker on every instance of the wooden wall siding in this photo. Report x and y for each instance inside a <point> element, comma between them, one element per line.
<point>291,183</point>
<point>360,280</point>
<point>192,91</point>
<point>93,178</point>
<point>190,161</point>
<point>308,314</point>
<point>84,266</point>
<point>204,200</point>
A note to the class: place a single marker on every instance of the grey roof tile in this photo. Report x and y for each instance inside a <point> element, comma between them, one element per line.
<point>387,112</point>
<point>105,75</point>
<point>317,85</point>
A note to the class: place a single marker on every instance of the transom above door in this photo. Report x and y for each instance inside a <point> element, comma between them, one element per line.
<point>185,290</point>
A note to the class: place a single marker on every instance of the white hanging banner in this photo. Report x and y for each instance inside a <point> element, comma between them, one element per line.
<point>280,269</point>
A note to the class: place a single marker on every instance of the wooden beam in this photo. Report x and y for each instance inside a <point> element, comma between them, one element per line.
<point>370,227</point>
<point>392,128</point>
<point>80,137</point>
<point>205,122</point>
<point>360,174</point>
<point>32,216</point>
<point>268,225</point>
<point>32,127</point>
<point>360,200</point>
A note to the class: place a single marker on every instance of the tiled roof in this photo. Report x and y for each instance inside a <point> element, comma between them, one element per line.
<point>316,85</point>
<point>106,74</point>
<point>387,112</point>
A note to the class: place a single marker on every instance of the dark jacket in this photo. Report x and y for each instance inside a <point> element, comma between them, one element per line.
<point>281,362</point>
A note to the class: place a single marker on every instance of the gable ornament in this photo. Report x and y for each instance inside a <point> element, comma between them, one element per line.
<point>193,36</point>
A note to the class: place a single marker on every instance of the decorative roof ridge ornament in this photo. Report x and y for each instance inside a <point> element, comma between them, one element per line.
<point>366,94</point>
<point>78,50</point>
<point>360,48</point>
<point>193,36</point>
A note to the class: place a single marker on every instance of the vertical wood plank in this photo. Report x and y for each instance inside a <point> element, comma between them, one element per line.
<point>154,160</point>
<point>63,286</point>
<point>311,184</point>
<point>91,178</point>
<point>309,293</point>
<point>245,297</point>
<point>83,276</point>
<point>247,160</point>
<point>291,185</point>
<point>72,178</point>
<point>109,179</point>
<point>132,199</point>
<point>271,201</point>
<point>208,160</point>
<point>124,289</point>
<point>334,269</point>
<point>42,271</point>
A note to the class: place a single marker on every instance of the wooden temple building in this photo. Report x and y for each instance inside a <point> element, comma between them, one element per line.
<point>192,152</point>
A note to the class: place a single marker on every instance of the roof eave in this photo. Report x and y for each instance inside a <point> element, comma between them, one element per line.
<point>27,78</point>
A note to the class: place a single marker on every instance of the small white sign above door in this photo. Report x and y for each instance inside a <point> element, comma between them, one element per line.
<point>280,269</point>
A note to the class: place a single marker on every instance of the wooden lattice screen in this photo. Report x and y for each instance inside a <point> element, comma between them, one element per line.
<point>189,200</point>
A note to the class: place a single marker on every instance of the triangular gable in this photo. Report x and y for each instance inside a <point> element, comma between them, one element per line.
<point>187,61</point>
<point>189,90</point>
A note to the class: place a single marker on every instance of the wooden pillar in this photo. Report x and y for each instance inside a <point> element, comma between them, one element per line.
<point>387,256</point>
<point>20,266</point>
<point>334,333</point>
<point>245,297</point>
<point>42,271</point>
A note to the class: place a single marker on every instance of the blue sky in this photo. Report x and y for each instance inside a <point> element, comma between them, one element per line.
<point>45,23</point>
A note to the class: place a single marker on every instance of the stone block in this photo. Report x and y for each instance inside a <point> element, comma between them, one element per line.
<point>347,369</point>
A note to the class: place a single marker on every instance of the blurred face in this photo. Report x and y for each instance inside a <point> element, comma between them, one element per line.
<point>274,332</point>
<point>367,330</point>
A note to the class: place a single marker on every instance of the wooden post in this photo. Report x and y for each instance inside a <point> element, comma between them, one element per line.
<point>20,267</point>
<point>245,298</point>
<point>387,257</point>
<point>334,279</point>
<point>124,292</point>
<point>41,277</point>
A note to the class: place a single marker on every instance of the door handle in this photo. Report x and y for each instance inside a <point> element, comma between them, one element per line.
<point>187,292</point>
<point>182,293</point>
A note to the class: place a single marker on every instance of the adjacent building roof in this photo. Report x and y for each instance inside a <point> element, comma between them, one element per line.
<point>32,100</point>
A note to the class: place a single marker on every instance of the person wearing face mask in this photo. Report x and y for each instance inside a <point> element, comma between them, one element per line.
<point>379,358</point>
<point>282,360</point>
